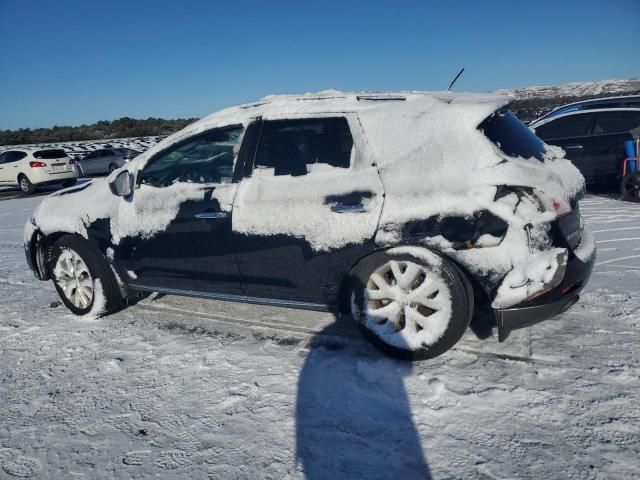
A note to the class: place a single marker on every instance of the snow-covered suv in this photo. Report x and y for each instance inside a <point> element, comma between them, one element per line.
<point>412,210</point>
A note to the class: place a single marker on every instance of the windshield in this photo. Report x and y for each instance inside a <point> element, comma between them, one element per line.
<point>512,136</point>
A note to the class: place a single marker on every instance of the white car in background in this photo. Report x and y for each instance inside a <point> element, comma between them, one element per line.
<point>29,168</point>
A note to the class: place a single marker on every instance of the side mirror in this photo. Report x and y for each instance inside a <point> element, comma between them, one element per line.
<point>122,185</point>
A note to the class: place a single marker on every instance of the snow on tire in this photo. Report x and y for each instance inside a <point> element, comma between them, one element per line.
<point>82,277</point>
<point>411,306</point>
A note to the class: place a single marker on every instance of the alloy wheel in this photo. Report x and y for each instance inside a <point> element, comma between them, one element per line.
<point>74,279</point>
<point>407,304</point>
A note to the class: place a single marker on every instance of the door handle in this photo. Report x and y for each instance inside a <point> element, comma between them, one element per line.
<point>574,147</point>
<point>353,208</point>
<point>206,215</point>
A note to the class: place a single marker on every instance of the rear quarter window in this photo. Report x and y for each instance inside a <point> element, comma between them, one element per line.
<point>512,136</point>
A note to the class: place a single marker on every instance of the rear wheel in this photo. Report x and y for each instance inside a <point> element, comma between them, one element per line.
<point>112,167</point>
<point>411,307</point>
<point>25,184</point>
<point>630,187</point>
<point>82,277</point>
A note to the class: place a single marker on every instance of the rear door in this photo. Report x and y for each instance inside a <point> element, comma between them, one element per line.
<point>194,251</point>
<point>87,164</point>
<point>308,210</point>
<point>609,133</point>
<point>109,157</point>
<point>572,134</point>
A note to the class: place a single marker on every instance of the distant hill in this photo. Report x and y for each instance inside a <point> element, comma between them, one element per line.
<point>533,102</point>
<point>124,127</point>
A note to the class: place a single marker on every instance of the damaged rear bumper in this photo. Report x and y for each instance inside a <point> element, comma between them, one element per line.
<point>552,303</point>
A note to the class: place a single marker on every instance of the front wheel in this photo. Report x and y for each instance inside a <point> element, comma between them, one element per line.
<point>411,306</point>
<point>82,277</point>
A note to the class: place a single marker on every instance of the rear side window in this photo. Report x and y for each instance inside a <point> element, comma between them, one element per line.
<point>49,154</point>
<point>566,127</point>
<point>14,156</point>
<point>512,136</point>
<point>616,122</point>
<point>290,147</point>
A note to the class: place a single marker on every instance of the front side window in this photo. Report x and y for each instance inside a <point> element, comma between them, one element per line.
<point>616,122</point>
<point>291,147</point>
<point>566,127</point>
<point>205,158</point>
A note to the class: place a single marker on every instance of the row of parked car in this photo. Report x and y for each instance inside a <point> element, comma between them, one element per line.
<point>30,167</point>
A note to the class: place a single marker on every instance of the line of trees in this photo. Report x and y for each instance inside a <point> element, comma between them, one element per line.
<point>102,130</point>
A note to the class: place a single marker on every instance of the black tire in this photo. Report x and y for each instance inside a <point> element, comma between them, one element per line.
<point>630,187</point>
<point>113,167</point>
<point>444,272</point>
<point>69,183</point>
<point>25,184</point>
<point>98,268</point>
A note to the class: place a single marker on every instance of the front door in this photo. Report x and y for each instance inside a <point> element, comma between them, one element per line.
<point>571,133</point>
<point>176,232</point>
<point>309,209</point>
<point>4,177</point>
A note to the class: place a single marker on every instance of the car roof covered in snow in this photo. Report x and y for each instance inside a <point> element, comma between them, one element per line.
<point>332,101</point>
<point>474,107</point>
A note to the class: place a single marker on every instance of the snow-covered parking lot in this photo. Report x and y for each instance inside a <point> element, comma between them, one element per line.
<point>185,388</point>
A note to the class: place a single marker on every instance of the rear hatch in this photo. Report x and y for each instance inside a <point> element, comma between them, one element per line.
<point>55,160</point>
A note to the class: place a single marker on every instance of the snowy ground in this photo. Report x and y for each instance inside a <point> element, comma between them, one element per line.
<point>183,388</point>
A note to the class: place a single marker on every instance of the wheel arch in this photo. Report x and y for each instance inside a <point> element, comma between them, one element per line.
<point>475,290</point>
<point>40,248</point>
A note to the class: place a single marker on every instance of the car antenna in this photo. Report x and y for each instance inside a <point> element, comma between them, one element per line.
<point>454,80</point>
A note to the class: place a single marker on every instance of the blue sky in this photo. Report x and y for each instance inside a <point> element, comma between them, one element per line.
<point>72,62</point>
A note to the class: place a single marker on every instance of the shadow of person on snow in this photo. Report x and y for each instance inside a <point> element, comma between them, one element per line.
<point>353,417</point>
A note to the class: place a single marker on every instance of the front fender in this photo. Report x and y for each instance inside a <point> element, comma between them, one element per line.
<point>35,251</point>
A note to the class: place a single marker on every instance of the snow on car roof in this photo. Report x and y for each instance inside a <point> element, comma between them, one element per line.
<point>475,107</point>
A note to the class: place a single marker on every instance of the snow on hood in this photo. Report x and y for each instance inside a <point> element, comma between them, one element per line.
<point>74,209</point>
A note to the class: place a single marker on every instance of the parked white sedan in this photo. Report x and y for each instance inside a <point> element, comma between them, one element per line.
<point>32,167</point>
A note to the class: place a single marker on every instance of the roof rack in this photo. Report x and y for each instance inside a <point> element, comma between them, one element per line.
<point>380,98</point>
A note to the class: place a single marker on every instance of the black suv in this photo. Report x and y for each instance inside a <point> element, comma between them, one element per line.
<point>410,210</point>
<point>593,140</point>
